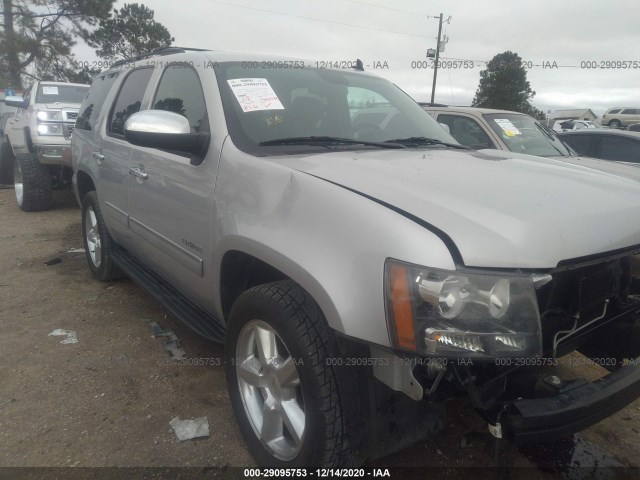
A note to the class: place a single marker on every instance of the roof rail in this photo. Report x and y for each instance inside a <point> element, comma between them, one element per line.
<point>158,51</point>
<point>429,104</point>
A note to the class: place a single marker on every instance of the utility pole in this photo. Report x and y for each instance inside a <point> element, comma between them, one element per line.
<point>435,69</point>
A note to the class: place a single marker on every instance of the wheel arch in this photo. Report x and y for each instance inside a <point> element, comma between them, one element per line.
<point>244,268</point>
<point>84,183</point>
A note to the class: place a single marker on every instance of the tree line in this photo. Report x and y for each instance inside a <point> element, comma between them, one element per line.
<point>37,37</point>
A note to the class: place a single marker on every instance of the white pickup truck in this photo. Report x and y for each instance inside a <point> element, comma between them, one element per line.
<point>39,135</point>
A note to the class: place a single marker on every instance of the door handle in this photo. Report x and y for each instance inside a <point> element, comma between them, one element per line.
<point>139,173</point>
<point>98,156</point>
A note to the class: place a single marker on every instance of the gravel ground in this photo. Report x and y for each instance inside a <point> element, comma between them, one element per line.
<point>107,400</point>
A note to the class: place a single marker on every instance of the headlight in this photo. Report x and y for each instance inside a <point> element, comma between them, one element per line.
<point>460,314</point>
<point>50,115</point>
<point>50,129</point>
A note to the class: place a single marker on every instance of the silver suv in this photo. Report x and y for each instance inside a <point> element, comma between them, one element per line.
<point>39,135</point>
<point>621,117</point>
<point>359,272</point>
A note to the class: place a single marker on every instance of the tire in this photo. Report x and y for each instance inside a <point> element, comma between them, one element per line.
<point>615,123</point>
<point>6,164</point>
<point>32,183</point>
<point>297,379</point>
<point>98,243</point>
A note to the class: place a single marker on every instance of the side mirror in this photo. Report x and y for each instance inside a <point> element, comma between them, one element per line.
<point>446,127</point>
<point>165,131</point>
<point>15,101</point>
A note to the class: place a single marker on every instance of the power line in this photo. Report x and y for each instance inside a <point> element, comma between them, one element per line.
<point>317,19</point>
<point>391,8</point>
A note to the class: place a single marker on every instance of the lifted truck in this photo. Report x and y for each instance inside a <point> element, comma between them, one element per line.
<point>39,136</point>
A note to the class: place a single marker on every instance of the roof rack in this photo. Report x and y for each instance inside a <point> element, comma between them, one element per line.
<point>158,51</point>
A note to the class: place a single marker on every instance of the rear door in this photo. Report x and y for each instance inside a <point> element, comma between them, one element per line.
<point>619,148</point>
<point>114,153</point>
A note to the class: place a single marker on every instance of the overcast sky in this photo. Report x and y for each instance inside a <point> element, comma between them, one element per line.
<point>568,32</point>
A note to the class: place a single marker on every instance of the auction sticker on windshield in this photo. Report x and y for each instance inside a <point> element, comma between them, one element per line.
<point>507,127</point>
<point>50,90</point>
<point>255,94</point>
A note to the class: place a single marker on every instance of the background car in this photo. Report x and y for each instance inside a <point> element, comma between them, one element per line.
<point>481,128</point>
<point>484,128</point>
<point>634,128</point>
<point>621,116</point>
<point>571,124</point>
<point>607,144</point>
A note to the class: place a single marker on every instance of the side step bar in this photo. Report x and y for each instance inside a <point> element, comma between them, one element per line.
<point>180,307</point>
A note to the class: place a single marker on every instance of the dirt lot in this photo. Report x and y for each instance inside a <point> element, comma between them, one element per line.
<point>107,400</point>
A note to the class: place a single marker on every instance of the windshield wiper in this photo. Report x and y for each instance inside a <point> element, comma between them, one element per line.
<point>327,141</point>
<point>417,141</point>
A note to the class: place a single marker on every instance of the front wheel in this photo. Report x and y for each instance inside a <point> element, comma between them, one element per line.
<point>32,182</point>
<point>615,124</point>
<point>283,388</point>
<point>98,243</point>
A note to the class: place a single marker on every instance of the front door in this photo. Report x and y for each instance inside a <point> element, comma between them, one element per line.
<point>171,195</point>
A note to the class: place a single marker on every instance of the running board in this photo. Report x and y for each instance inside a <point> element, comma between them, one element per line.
<point>180,307</point>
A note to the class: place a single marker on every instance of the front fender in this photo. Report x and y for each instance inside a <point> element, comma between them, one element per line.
<point>331,241</point>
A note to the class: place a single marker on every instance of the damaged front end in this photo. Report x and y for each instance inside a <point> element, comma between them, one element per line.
<point>505,340</point>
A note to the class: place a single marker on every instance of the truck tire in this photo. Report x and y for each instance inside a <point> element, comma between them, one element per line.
<point>283,386</point>
<point>32,183</point>
<point>98,243</point>
<point>6,164</point>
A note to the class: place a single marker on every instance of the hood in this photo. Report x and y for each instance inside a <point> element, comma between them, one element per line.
<point>500,210</point>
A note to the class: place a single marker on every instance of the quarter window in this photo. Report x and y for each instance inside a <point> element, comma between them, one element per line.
<point>180,92</point>
<point>129,99</point>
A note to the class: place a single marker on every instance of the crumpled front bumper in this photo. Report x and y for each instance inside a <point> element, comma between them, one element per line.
<point>572,409</point>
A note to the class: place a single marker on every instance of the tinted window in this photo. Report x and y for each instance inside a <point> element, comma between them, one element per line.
<point>61,93</point>
<point>611,112</point>
<point>629,111</point>
<point>580,143</point>
<point>129,99</point>
<point>466,131</point>
<point>618,148</point>
<point>95,99</point>
<point>180,92</point>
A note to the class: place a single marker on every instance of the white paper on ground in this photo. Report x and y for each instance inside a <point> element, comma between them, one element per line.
<point>189,429</point>
<point>70,334</point>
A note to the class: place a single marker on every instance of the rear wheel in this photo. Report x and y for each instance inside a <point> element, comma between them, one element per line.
<point>283,388</point>
<point>6,163</point>
<point>98,243</point>
<point>615,124</point>
<point>32,183</point>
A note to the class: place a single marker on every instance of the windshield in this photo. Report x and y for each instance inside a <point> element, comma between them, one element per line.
<point>61,93</point>
<point>524,134</point>
<point>329,108</point>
